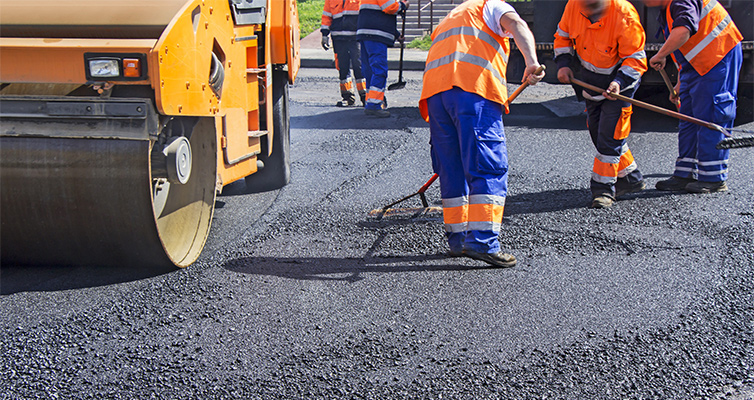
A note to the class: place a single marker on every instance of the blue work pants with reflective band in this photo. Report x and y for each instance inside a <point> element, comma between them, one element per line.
<point>467,142</point>
<point>711,98</point>
<point>614,164</point>
<point>374,67</point>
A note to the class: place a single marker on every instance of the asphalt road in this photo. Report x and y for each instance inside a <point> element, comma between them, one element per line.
<point>300,295</point>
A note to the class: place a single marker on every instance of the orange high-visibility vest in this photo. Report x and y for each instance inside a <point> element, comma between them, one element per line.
<point>716,36</point>
<point>467,54</point>
<point>617,38</point>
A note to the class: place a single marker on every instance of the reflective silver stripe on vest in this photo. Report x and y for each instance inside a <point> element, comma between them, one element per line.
<point>477,33</point>
<point>343,33</point>
<point>707,9</point>
<point>375,32</point>
<point>563,50</point>
<point>603,71</point>
<point>455,202</point>
<point>562,33</point>
<point>708,39</point>
<point>325,27</point>
<point>630,71</point>
<point>370,7</point>
<point>467,58</point>
<point>327,14</point>
<point>487,199</point>
<point>388,4</point>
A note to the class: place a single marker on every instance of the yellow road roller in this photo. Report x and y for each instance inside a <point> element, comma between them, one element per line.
<point>120,121</point>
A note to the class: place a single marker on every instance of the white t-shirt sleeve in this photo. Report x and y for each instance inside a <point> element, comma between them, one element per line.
<point>493,11</point>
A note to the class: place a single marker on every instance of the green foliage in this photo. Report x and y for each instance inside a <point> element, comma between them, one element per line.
<point>310,15</point>
<point>422,43</point>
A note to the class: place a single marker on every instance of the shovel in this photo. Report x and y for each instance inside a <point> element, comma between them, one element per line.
<point>401,83</point>
<point>728,143</point>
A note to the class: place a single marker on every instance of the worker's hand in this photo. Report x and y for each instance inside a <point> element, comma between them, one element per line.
<point>326,42</point>
<point>405,4</point>
<point>565,75</point>
<point>530,76</point>
<point>677,98</point>
<point>614,87</point>
<point>657,63</point>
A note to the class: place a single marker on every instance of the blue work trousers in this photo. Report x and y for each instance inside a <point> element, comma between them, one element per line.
<point>469,154</point>
<point>374,67</point>
<point>710,97</point>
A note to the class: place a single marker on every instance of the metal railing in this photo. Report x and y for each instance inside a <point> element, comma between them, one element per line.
<point>431,5</point>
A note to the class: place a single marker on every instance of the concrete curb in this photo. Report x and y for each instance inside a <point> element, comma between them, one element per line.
<point>413,60</point>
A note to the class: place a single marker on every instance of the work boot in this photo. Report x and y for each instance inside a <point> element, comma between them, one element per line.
<point>622,188</point>
<point>347,101</point>
<point>706,187</point>
<point>602,201</point>
<point>674,184</point>
<point>499,259</point>
<point>377,113</point>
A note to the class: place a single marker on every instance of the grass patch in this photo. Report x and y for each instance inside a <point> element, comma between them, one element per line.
<point>421,43</point>
<point>310,15</point>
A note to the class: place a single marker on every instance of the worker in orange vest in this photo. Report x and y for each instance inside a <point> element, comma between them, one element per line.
<point>339,18</point>
<point>463,97</point>
<point>608,40</point>
<point>377,30</point>
<point>706,46</point>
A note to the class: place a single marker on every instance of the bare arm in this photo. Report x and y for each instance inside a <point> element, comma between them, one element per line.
<point>513,24</point>
<point>678,36</point>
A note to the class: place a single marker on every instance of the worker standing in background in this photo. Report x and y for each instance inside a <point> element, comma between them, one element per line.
<point>339,19</point>
<point>463,96</point>
<point>706,46</point>
<point>377,30</point>
<point>608,39</point>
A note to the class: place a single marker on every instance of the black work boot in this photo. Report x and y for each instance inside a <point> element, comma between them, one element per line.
<point>622,187</point>
<point>674,184</point>
<point>706,187</point>
<point>499,259</point>
<point>348,100</point>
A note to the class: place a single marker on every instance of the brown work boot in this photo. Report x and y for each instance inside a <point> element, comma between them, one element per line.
<point>499,259</point>
<point>603,201</point>
<point>706,187</point>
<point>674,184</point>
<point>377,113</point>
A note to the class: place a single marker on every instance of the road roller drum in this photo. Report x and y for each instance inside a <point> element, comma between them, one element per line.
<point>120,121</point>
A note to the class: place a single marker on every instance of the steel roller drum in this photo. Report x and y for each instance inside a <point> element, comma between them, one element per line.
<point>90,201</point>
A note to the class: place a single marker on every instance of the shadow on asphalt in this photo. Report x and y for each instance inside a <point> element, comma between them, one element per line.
<point>50,278</point>
<point>343,269</point>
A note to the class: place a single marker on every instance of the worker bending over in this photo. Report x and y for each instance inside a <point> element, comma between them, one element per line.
<point>463,97</point>
<point>608,39</point>
<point>377,30</point>
<point>339,18</point>
<point>706,47</point>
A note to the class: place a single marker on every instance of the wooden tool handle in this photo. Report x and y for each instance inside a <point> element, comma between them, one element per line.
<point>654,108</point>
<point>670,86</point>
<point>523,85</point>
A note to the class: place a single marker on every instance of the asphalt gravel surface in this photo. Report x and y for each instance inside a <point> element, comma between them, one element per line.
<point>300,294</point>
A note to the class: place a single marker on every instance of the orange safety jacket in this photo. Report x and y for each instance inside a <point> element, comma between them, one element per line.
<point>716,36</point>
<point>617,38</point>
<point>339,17</point>
<point>467,54</point>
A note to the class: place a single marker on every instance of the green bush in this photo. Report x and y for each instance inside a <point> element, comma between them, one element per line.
<point>422,43</point>
<point>310,15</point>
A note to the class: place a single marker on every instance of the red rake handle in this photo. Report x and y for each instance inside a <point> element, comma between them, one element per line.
<point>428,184</point>
<point>651,107</point>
